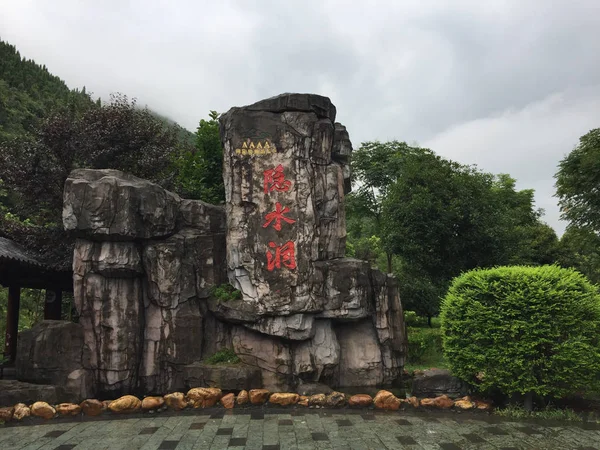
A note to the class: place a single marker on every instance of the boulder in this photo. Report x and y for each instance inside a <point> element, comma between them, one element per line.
<point>386,400</point>
<point>92,407</point>
<point>243,397</point>
<point>259,396</point>
<point>360,355</point>
<point>297,327</point>
<point>228,401</point>
<point>6,413</point>
<point>317,400</point>
<point>176,401</point>
<point>68,409</point>
<point>317,358</point>
<point>361,400</point>
<point>303,400</point>
<point>21,411</point>
<point>125,404</point>
<point>443,402</point>
<point>228,377</point>
<point>53,352</point>
<point>204,397</point>
<point>13,391</point>
<point>335,400</point>
<point>413,401</point>
<point>284,398</point>
<point>151,403</point>
<point>43,410</point>
<point>429,402</point>
<point>483,405</point>
<point>464,403</point>
<point>436,382</point>
<point>112,204</point>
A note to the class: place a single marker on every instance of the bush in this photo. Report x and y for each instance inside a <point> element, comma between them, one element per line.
<point>225,292</point>
<point>523,330</point>
<point>424,344</point>
<point>224,356</point>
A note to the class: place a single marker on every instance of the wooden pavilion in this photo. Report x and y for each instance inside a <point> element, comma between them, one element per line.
<point>19,269</point>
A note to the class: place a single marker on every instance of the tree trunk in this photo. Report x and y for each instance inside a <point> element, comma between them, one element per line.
<point>429,321</point>
<point>389,262</point>
<point>528,404</point>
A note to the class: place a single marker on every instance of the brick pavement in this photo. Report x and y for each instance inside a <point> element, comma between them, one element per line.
<point>269,429</point>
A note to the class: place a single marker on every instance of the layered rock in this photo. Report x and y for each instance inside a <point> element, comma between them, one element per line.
<point>146,260</point>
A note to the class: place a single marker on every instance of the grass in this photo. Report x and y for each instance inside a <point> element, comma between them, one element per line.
<point>225,356</point>
<point>548,413</point>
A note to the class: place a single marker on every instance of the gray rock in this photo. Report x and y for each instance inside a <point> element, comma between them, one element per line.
<point>111,205</point>
<point>13,392</point>
<point>436,382</point>
<point>53,352</point>
<point>296,327</point>
<point>321,106</point>
<point>317,359</point>
<point>360,355</point>
<point>228,377</point>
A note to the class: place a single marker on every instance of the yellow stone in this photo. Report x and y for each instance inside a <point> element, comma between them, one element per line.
<point>43,410</point>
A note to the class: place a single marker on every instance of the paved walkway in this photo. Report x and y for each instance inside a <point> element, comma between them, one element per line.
<point>298,429</point>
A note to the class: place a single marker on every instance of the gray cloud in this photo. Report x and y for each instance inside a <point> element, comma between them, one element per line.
<point>508,85</point>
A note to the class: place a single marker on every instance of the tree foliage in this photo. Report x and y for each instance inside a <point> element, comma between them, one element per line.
<point>523,330</point>
<point>436,218</point>
<point>578,183</point>
<point>201,168</point>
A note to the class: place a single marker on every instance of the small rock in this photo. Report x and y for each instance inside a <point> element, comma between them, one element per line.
<point>427,402</point>
<point>21,411</point>
<point>106,405</point>
<point>317,400</point>
<point>284,398</point>
<point>414,401</point>
<point>303,400</point>
<point>43,410</point>
<point>68,409</point>
<point>228,401</point>
<point>92,407</point>
<point>125,404</point>
<point>335,400</point>
<point>204,397</point>
<point>258,396</point>
<point>386,400</point>
<point>464,403</point>
<point>176,401</point>
<point>151,403</point>
<point>6,414</point>
<point>443,402</point>
<point>242,397</point>
<point>483,405</point>
<point>360,400</point>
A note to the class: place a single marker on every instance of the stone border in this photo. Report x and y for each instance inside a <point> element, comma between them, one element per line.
<point>209,397</point>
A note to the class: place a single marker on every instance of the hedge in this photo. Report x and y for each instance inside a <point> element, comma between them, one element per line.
<point>523,330</point>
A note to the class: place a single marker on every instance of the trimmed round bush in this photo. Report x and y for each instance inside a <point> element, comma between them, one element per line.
<point>523,330</point>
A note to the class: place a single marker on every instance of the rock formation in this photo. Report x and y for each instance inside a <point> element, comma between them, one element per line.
<point>145,262</point>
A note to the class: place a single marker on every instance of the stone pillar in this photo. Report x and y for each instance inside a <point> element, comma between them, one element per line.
<point>53,304</point>
<point>12,322</point>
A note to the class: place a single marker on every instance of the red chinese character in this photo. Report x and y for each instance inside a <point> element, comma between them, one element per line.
<point>284,254</point>
<point>278,215</point>
<point>274,179</point>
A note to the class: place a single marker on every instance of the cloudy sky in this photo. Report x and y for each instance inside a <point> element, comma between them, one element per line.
<point>507,85</point>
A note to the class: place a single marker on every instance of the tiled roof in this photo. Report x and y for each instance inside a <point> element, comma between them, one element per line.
<point>10,250</point>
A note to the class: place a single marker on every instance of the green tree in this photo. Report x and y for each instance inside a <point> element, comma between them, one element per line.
<point>579,248</point>
<point>201,168</point>
<point>577,182</point>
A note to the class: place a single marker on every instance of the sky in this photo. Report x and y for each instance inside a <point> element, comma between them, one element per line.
<point>509,86</point>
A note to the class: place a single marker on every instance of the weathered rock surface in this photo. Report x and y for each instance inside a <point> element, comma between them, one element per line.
<point>43,410</point>
<point>386,400</point>
<point>68,409</point>
<point>125,404</point>
<point>146,261</point>
<point>150,403</point>
<point>436,382</point>
<point>361,400</point>
<point>228,401</point>
<point>284,398</point>
<point>243,397</point>
<point>53,352</point>
<point>227,377</point>
<point>6,413</point>
<point>258,396</point>
<point>335,399</point>
<point>204,397</point>
<point>92,407</point>
<point>21,411</point>
<point>176,401</point>
<point>464,403</point>
<point>13,391</point>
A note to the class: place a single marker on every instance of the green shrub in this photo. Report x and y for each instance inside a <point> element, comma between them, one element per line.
<point>225,292</point>
<point>424,344</point>
<point>523,330</point>
<point>224,356</point>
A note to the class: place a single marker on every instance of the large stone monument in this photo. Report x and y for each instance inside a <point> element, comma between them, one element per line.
<point>146,262</point>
